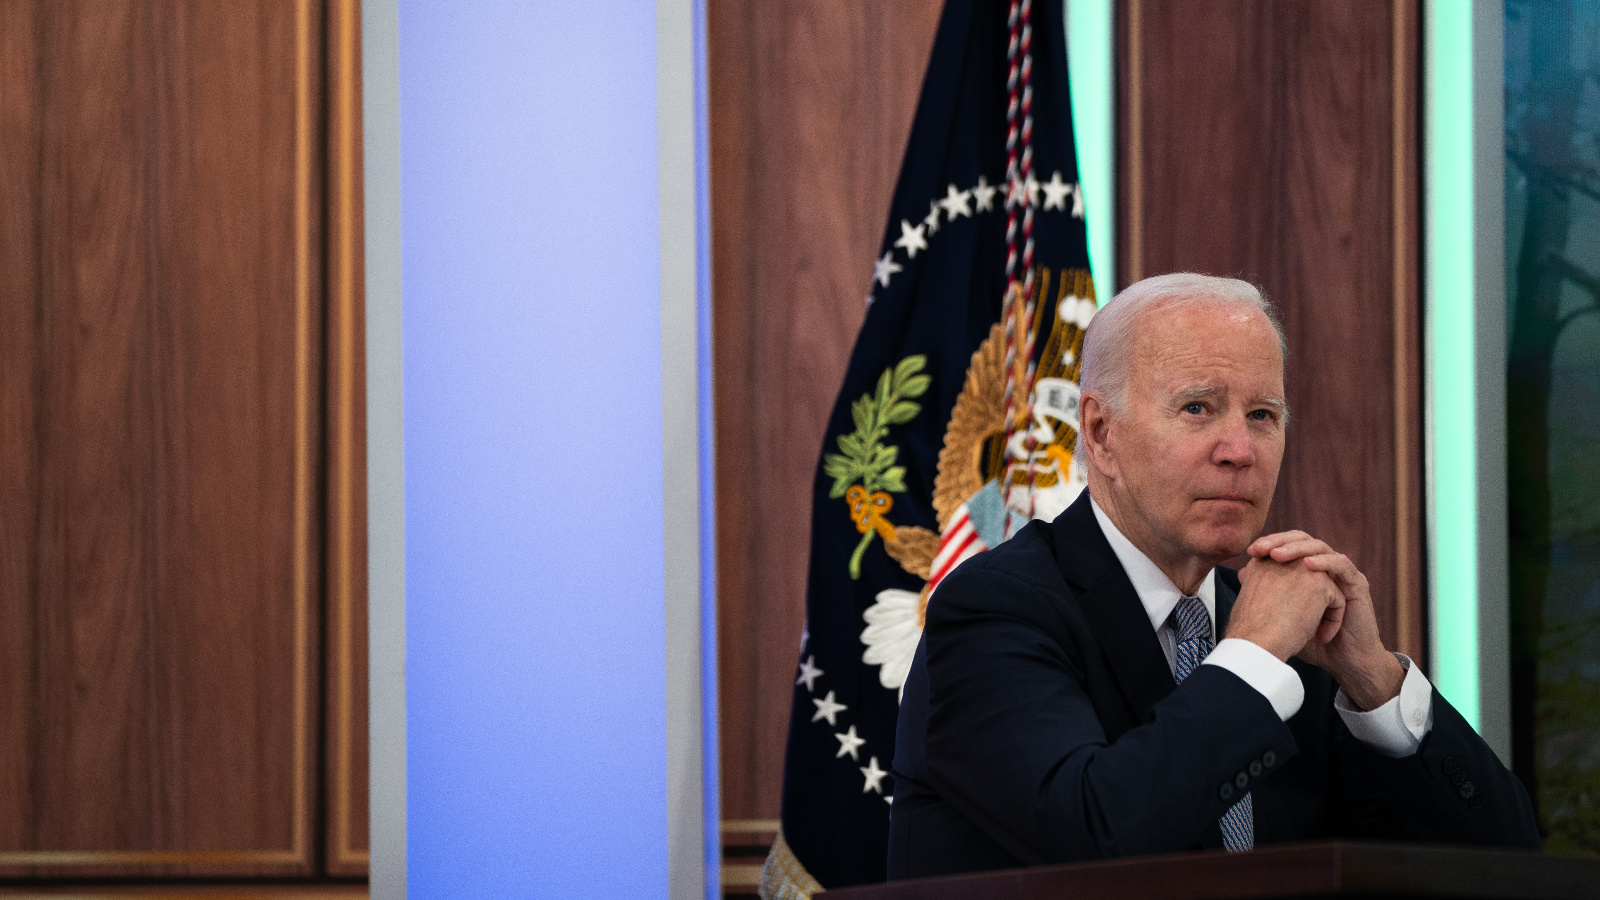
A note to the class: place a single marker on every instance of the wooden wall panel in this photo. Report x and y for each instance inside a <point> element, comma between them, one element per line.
<point>162,455</point>
<point>20,191</point>
<point>231,890</point>
<point>811,104</point>
<point>1277,142</point>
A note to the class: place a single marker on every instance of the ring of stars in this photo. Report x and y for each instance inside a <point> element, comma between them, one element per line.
<point>980,198</point>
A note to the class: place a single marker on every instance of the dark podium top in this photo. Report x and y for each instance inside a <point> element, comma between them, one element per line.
<point>1326,869</point>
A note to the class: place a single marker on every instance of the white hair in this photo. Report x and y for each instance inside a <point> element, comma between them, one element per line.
<point>1108,343</point>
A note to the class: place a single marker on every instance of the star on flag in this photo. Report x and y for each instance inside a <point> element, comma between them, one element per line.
<point>1014,193</point>
<point>884,268</point>
<point>955,203</point>
<point>984,193</point>
<point>828,708</point>
<point>911,239</point>
<point>809,673</point>
<point>1056,192</point>
<point>849,743</point>
<point>874,776</point>
<point>1032,187</point>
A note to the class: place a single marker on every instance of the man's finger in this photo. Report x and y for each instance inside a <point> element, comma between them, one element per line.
<point>1264,545</point>
<point>1332,619</point>
<point>1327,631</point>
<point>1337,566</point>
<point>1294,550</point>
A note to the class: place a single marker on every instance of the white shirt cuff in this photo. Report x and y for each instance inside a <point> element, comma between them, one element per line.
<point>1396,728</point>
<point>1272,677</point>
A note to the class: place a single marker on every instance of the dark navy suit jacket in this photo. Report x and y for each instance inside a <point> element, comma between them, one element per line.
<point>1040,724</point>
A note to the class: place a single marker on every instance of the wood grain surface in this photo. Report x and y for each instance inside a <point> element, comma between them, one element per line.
<point>229,891</point>
<point>1325,869</point>
<point>162,453</point>
<point>345,682</point>
<point>1276,142</point>
<point>811,104</point>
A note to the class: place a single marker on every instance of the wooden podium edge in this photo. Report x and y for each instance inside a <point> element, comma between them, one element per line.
<point>1289,870</point>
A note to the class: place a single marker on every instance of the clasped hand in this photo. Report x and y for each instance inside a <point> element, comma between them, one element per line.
<point>1299,597</point>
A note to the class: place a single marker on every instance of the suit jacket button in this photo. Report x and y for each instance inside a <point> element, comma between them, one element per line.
<point>1457,777</point>
<point>1255,768</point>
<point>1467,790</point>
<point>1240,780</point>
<point>1226,791</point>
<point>1269,759</point>
<point>1475,802</point>
<point>1449,765</point>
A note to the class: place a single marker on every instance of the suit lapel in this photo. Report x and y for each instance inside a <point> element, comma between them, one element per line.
<point>1113,609</point>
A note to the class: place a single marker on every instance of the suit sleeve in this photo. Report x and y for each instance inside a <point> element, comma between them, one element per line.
<point>1454,789</point>
<point>1015,743</point>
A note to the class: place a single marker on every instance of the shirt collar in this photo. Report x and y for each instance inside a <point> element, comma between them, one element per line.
<point>1156,591</point>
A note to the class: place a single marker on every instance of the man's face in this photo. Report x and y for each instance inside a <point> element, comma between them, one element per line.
<point>1197,449</point>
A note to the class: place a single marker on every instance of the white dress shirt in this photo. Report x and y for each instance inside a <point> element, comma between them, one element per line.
<point>1394,729</point>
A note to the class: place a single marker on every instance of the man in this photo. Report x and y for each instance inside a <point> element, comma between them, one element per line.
<point>1071,700</point>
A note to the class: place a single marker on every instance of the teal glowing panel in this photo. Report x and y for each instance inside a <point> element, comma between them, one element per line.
<point>1090,39</point>
<point>1450,354</point>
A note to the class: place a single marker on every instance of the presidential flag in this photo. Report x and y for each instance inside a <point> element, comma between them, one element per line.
<point>957,418</point>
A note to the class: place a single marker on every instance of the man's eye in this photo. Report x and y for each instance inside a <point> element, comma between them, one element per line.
<point>1194,409</point>
<point>1261,415</point>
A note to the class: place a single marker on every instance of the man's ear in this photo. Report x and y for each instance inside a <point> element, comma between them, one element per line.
<point>1095,420</point>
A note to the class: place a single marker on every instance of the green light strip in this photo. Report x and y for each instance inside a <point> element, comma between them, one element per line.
<point>1090,69</point>
<point>1451,382</point>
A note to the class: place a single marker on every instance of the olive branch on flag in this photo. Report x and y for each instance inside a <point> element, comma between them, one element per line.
<point>865,473</point>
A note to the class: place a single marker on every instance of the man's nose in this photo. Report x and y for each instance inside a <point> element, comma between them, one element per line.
<point>1234,446</point>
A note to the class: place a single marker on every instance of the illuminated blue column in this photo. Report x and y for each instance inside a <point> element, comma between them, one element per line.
<point>550,226</point>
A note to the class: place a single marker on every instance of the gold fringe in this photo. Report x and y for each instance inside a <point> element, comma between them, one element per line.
<point>783,877</point>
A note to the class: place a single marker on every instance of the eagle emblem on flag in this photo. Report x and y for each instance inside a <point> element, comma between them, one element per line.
<point>986,487</point>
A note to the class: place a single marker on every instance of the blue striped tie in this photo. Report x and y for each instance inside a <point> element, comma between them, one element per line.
<point>1194,645</point>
